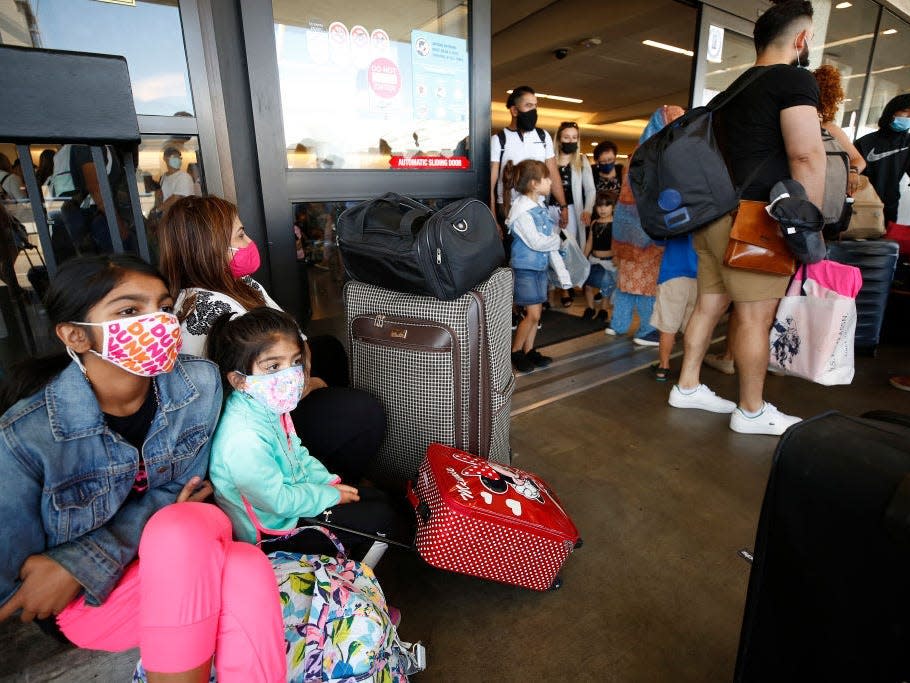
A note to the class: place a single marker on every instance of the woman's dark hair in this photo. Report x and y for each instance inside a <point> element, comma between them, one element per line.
<point>234,343</point>
<point>79,284</point>
<point>896,104</point>
<point>606,145</point>
<point>777,19</point>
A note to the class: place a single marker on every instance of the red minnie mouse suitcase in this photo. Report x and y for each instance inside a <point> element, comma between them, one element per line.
<point>485,519</point>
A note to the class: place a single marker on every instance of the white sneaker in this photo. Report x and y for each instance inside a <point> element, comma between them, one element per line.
<point>701,398</point>
<point>610,331</point>
<point>769,421</point>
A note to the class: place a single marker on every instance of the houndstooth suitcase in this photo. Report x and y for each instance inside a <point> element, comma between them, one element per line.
<point>440,368</point>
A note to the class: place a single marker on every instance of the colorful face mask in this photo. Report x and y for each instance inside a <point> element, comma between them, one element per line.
<point>144,345</point>
<point>279,391</point>
<point>245,261</point>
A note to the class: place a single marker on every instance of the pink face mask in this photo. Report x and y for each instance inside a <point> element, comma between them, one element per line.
<point>145,345</point>
<point>245,261</point>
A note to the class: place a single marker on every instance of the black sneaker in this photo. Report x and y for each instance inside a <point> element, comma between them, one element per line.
<point>515,320</point>
<point>588,314</point>
<point>521,361</point>
<point>650,339</point>
<point>538,359</point>
<point>603,316</point>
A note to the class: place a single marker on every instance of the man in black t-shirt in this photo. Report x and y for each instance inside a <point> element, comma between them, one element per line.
<point>768,132</point>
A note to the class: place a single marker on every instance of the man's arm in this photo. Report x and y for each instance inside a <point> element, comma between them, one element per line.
<point>494,178</point>
<point>556,191</point>
<point>805,151</point>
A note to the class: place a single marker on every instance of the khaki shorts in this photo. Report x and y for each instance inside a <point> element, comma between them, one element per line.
<point>714,277</point>
<point>674,305</point>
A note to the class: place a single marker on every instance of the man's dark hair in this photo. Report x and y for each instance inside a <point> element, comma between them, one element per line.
<point>896,104</point>
<point>518,92</point>
<point>777,19</point>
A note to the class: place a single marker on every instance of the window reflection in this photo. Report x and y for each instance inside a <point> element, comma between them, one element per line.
<point>149,34</point>
<point>844,37</point>
<point>369,87</point>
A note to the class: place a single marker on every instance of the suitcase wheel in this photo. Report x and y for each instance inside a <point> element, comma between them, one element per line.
<point>557,584</point>
<point>580,542</point>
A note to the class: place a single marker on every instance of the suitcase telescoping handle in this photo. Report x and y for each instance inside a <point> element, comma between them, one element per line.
<point>316,521</point>
<point>416,209</point>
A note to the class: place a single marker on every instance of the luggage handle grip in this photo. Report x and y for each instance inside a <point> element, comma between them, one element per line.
<point>420,507</point>
<point>391,198</point>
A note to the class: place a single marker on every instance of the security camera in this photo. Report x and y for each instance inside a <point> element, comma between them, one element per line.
<point>561,52</point>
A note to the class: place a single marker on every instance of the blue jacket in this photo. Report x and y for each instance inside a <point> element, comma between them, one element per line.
<point>536,232</point>
<point>65,476</point>
<point>251,458</point>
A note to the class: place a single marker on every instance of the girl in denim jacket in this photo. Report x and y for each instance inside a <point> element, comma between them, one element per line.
<point>102,451</point>
<point>532,253</point>
<point>265,479</point>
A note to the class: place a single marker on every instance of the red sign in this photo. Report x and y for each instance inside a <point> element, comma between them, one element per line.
<point>438,163</point>
<point>384,77</point>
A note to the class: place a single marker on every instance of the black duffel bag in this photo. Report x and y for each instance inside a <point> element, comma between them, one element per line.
<point>398,243</point>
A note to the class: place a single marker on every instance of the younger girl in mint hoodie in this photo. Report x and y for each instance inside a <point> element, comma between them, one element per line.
<point>264,479</point>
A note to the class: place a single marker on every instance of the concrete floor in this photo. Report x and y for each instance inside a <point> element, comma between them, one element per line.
<point>664,499</point>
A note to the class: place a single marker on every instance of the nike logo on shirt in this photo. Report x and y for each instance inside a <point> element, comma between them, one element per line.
<point>875,157</point>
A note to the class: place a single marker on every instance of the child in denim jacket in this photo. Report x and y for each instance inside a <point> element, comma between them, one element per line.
<point>534,250</point>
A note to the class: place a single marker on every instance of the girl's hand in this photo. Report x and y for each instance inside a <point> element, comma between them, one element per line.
<point>196,490</point>
<point>348,493</point>
<point>45,590</point>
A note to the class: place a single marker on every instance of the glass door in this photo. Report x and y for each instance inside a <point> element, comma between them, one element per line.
<point>725,51</point>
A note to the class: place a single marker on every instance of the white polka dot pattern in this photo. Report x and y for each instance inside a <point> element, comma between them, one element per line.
<point>419,392</point>
<point>493,547</point>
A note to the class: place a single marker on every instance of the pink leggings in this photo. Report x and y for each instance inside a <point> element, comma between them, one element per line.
<point>192,593</point>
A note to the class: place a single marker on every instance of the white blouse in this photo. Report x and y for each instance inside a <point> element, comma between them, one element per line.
<point>210,306</point>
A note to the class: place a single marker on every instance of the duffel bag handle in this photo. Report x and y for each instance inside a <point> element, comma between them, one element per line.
<point>391,198</point>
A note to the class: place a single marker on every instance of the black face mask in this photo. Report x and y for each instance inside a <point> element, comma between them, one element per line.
<point>568,147</point>
<point>526,120</point>
<point>605,168</point>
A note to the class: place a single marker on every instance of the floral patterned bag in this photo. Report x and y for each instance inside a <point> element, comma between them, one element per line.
<point>337,627</point>
<point>337,624</point>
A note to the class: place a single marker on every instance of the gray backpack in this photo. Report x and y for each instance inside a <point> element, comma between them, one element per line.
<point>836,173</point>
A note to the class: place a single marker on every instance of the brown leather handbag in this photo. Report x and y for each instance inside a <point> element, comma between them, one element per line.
<point>756,242</point>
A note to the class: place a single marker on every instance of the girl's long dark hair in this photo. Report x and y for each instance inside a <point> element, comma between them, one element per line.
<point>79,284</point>
<point>235,341</point>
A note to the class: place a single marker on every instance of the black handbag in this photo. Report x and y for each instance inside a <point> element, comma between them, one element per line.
<point>399,243</point>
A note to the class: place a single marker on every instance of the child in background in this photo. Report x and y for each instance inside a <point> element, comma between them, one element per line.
<point>534,250</point>
<point>264,479</point>
<point>676,294</point>
<point>599,249</point>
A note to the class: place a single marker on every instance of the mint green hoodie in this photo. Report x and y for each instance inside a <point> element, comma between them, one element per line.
<point>251,458</point>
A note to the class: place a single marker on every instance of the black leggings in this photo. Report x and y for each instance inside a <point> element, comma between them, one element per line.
<point>342,427</point>
<point>372,514</point>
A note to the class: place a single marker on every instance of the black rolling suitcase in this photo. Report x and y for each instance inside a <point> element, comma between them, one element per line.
<point>441,370</point>
<point>876,259</point>
<point>829,591</point>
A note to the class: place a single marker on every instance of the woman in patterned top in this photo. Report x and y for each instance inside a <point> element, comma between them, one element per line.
<point>209,260</point>
<point>607,173</point>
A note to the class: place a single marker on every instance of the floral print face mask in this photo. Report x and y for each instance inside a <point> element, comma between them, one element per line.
<point>279,391</point>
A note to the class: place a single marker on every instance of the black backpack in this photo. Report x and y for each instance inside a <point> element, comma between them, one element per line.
<point>679,176</point>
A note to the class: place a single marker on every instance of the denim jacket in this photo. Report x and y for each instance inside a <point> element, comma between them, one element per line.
<point>65,476</point>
